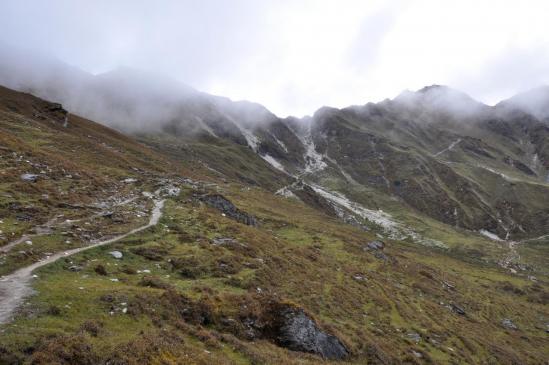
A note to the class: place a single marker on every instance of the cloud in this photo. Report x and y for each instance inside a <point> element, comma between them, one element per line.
<point>511,71</point>
<point>295,56</point>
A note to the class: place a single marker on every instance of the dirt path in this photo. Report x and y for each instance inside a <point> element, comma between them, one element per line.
<point>14,288</point>
<point>40,230</point>
<point>47,228</point>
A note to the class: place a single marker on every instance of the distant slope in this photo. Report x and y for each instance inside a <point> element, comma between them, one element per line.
<point>437,151</point>
<point>338,265</point>
<point>56,168</point>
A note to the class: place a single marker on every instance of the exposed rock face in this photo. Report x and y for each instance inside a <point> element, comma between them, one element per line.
<point>375,245</point>
<point>294,329</point>
<point>310,197</point>
<point>221,203</point>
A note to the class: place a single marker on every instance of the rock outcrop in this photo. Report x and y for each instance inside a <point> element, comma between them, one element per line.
<point>223,204</point>
<point>293,329</point>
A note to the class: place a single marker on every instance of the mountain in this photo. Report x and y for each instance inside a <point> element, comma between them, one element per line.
<point>204,230</point>
<point>535,102</point>
<point>436,151</point>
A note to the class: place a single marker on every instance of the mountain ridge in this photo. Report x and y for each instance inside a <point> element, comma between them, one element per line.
<point>245,258</point>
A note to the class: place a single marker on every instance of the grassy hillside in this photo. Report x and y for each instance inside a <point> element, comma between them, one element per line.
<point>200,287</point>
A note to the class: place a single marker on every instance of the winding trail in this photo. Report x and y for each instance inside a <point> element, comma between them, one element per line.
<point>47,227</point>
<point>449,148</point>
<point>40,231</point>
<point>14,288</point>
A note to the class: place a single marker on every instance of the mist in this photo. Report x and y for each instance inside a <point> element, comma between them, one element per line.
<point>294,56</point>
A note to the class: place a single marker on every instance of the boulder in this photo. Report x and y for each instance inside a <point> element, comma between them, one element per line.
<point>507,323</point>
<point>116,254</point>
<point>375,245</point>
<point>29,177</point>
<point>293,329</point>
<point>457,309</point>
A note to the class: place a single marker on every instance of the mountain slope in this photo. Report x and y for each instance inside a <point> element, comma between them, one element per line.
<point>233,271</point>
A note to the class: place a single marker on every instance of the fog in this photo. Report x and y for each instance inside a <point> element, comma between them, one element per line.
<point>290,56</point>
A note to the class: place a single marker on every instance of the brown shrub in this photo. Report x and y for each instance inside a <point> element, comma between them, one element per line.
<point>153,253</point>
<point>66,350</point>
<point>154,282</point>
<point>91,327</point>
<point>100,270</point>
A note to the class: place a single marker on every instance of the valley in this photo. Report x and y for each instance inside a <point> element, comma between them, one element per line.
<point>215,232</point>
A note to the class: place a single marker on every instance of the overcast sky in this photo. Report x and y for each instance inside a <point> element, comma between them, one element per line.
<point>295,56</point>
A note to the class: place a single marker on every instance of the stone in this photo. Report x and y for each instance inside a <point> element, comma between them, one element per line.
<point>414,336</point>
<point>381,256</point>
<point>376,245</point>
<point>29,177</point>
<point>457,309</point>
<point>223,241</point>
<point>507,323</point>
<point>107,214</point>
<point>116,254</point>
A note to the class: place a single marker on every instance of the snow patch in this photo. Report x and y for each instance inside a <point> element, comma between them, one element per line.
<point>313,160</point>
<point>286,192</point>
<point>251,139</point>
<point>490,235</point>
<point>206,127</point>
<point>273,162</point>
<point>280,143</point>
<point>393,229</point>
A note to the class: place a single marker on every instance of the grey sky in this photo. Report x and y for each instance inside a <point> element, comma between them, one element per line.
<point>295,56</point>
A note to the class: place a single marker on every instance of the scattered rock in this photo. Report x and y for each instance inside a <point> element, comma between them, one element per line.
<point>223,241</point>
<point>447,285</point>
<point>23,217</point>
<point>507,323</point>
<point>108,214</point>
<point>414,336</point>
<point>381,256</point>
<point>116,254</point>
<point>75,268</point>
